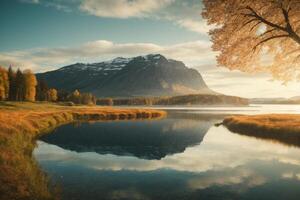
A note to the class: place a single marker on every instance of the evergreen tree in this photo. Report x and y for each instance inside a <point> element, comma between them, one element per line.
<point>12,84</point>
<point>19,86</point>
<point>41,90</point>
<point>62,95</point>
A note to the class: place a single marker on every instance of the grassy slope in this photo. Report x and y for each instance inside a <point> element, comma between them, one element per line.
<point>21,123</point>
<point>284,128</point>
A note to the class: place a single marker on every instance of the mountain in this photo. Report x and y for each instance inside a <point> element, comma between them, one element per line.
<point>150,75</point>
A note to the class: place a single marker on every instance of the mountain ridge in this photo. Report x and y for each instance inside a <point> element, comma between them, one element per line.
<point>150,75</point>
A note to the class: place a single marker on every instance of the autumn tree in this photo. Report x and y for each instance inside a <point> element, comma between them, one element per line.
<point>256,35</point>
<point>30,83</point>
<point>52,95</point>
<point>87,99</point>
<point>110,102</point>
<point>75,97</point>
<point>4,84</point>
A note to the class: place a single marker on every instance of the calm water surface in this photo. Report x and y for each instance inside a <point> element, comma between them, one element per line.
<point>183,156</point>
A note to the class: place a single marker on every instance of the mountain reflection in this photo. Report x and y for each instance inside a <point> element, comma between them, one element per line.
<point>142,139</point>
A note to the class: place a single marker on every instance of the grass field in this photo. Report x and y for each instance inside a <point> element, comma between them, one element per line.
<point>283,128</point>
<point>22,123</point>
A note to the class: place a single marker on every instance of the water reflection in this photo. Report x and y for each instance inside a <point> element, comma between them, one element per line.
<point>289,139</point>
<point>197,161</point>
<point>143,139</point>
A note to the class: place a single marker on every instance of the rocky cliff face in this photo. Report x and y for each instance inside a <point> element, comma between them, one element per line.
<point>151,75</point>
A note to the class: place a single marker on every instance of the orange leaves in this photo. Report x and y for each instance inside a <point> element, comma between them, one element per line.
<point>236,36</point>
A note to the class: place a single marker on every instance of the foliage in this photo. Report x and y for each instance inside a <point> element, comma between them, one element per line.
<point>19,86</point>
<point>84,98</point>
<point>195,99</point>
<point>30,83</point>
<point>12,84</point>
<point>23,86</point>
<point>41,90</point>
<point>256,35</point>
<point>105,101</point>
<point>4,84</point>
<point>52,94</point>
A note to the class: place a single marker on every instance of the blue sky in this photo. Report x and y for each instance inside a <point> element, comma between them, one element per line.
<point>31,25</point>
<point>47,34</point>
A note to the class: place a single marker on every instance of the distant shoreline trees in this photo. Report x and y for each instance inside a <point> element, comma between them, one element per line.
<point>24,86</point>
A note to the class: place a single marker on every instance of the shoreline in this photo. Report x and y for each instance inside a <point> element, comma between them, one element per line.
<point>283,128</point>
<point>20,126</point>
<point>34,118</point>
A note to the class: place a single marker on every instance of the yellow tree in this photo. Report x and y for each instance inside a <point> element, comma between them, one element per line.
<point>52,94</point>
<point>256,35</point>
<point>30,83</point>
<point>4,84</point>
<point>76,97</point>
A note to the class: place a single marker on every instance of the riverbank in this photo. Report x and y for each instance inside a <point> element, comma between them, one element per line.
<point>35,118</point>
<point>22,123</point>
<point>283,128</point>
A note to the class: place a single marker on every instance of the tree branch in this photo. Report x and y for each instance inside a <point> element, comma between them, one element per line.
<point>257,16</point>
<point>269,31</point>
<point>288,29</point>
<point>251,29</point>
<point>286,18</point>
<point>268,39</point>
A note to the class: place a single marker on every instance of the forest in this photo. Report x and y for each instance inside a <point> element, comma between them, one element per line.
<point>24,86</point>
<point>193,99</point>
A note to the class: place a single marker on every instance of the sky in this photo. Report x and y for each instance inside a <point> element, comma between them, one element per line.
<point>44,35</point>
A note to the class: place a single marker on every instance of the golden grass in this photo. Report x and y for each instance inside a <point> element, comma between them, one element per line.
<point>284,128</point>
<point>22,123</point>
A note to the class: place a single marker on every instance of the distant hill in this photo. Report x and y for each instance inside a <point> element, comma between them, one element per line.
<point>279,100</point>
<point>151,75</point>
<point>192,99</point>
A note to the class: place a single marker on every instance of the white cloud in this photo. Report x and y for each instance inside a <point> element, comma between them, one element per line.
<point>31,1</point>
<point>12,60</point>
<point>122,8</point>
<point>198,26</point>
<point>46,58</point>
<point>195,54</point>
<point>186,14</point>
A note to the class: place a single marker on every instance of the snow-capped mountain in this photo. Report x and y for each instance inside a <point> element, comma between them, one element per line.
<point>150,75</point>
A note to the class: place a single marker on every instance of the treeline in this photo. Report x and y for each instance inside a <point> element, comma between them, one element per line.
<point>24,86</point>
<point>76,97</point>
<point>17,86</point>
<point>195,99</point>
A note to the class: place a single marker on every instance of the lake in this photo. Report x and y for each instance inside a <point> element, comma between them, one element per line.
<point>183,156</point>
